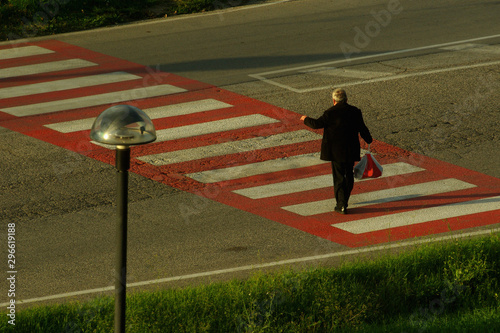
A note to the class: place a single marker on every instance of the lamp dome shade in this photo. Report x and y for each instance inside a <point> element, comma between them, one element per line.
<point>124,125</point>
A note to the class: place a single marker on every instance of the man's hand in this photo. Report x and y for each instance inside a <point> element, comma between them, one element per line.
<point>303,117</point>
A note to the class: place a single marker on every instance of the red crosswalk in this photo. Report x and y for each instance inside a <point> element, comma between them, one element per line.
<point>235,150</point>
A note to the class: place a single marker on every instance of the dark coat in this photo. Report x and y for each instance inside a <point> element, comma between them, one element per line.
<point>341,124</point>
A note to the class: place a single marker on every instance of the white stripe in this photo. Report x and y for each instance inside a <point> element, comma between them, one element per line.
<point>153,113</point>
<point>45,67</point>
<point>420,216</point>
<point>492,49</point>
<point>66,84</point>
<point>383,79</point>
<point>384,247</point>
<point>344,72</point>
<point>382,196</point>
<point>73,125</point>
<point>213,127</point>
<point>434,46</point>
<point>93,100</point>
<point>404,76</point>
<point>460,47</point>
<point>247,170</point>
<point>25,51</point>
<point>232,147</point>
<point>317,182</point>
<point>262,76</point>
<point>182,109</point>
<point>216,126</point>
<point>471,47</point>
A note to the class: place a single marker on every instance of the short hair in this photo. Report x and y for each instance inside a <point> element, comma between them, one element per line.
<point>339,95</point>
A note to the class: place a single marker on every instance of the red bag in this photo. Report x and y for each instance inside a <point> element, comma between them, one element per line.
<point>368,167</point>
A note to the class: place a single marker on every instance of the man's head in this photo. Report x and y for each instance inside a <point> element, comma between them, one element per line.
<point>339,96</point>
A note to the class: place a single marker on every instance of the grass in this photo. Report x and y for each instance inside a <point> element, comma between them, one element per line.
<point>437,288</point>
<point>30,18</point>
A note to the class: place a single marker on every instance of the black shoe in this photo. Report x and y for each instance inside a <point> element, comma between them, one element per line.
<point>340,210</point>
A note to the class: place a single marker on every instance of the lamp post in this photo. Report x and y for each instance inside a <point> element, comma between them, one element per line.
<point>122,126</point>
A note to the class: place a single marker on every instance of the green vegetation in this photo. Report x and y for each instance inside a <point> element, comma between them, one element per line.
<point>437,288</point>
<point>30,18</point>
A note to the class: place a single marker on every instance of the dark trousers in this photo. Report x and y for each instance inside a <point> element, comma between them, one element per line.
<point>343,181</point>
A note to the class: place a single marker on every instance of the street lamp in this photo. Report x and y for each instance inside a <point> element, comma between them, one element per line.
<point>122,126</point>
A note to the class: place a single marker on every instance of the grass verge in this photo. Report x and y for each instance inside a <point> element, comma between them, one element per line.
<point>31,18</point>
<point>437,288</point>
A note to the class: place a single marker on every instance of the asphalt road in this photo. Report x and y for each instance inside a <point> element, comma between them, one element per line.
<point>226,47</point>
<point>62,203</point>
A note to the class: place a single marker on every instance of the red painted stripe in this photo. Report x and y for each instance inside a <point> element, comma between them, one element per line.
<point>320,225</point>
<point>277,177</point>
<point>26,61</point>
<point>424,229</point>
<point>70,93</point>
<point>173,175</point>
<point>359,187</point>
<point>256,155</point>
<point>94,90</point>
<point>90,112</point>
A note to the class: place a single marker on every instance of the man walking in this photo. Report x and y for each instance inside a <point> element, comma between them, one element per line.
<point>340,145</point>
